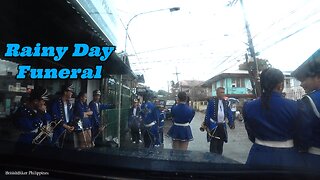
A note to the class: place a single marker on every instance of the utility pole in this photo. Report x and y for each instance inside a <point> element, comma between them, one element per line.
<point>253,72</point>
<point>176,73</point>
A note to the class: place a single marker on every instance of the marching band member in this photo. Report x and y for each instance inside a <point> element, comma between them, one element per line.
<point>82,115</point>
<point>308,124</point>
<point>162,117</point>
<point>217,113</point>
<point>30,117</point>
<point>150,128</point>
<point>96,107</point>
<point>180,131</point>
<point>269,122</point>
<point>61,109</point>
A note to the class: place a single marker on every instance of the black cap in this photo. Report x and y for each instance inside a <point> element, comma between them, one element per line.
<point>309,68</point>
<point>39,93</point>
<point>96,92</point>
<point>67,87</point>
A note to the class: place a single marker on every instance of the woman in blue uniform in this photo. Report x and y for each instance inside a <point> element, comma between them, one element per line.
<point>269,122</point>
<point>180,131</point>
<point>308,124</point>
<point>82,115</point>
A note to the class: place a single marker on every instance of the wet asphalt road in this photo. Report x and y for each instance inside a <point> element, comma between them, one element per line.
<point>237,147</point>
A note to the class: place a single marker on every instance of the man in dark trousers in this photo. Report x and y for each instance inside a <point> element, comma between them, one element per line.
<point>134,122</point>
<point>61,109</point>
<point>96,107</point>
<point>218,114</point>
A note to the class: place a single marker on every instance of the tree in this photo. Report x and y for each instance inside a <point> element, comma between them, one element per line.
<point>162,92</point>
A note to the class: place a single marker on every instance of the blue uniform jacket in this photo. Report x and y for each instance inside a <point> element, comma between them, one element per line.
<point>28,121</point>
<point>212,112</point>
<point>58,113</point>
<point>79,109</point>
<point>308,124</point>
<point>96,115</point>
<point>273,124</point>
<point>182,113</point>
<point>149,113</point>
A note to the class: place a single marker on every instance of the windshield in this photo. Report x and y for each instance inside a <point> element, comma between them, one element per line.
<point>208,82</point>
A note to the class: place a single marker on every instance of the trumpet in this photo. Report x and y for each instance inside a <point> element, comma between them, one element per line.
<point>45,131</point>
<point>203,127</point>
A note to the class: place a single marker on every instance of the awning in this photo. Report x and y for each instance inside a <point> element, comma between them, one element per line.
<point>54,23</point>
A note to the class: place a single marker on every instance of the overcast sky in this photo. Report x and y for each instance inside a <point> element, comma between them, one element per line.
<point>206,37</point>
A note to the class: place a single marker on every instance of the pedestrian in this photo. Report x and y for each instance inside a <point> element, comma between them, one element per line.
<point>82,115</point>
<point>180,131</point>
<point>308,124</point>
<point>96,107</point>
<point>61,109</point>
<point>218,113</point>
<point>150,118</point>
<point>134,122</point>
<point>269,122</point>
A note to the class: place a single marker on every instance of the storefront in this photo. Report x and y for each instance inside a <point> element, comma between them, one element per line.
<point>58,23</point>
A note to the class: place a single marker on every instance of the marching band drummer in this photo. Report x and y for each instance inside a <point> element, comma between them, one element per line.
<point>30,117</point>
<point>61,109</point>
<point>82,115</point>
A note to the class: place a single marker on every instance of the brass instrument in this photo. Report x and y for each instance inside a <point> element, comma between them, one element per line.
<point>204,127</point>
<point>45,131</point>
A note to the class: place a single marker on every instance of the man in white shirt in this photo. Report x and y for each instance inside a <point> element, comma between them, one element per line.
<point>96,107</point>
<point>217,115</point>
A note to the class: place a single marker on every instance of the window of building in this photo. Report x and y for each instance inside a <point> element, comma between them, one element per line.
<point>238,82</point>
<point>222,83</point>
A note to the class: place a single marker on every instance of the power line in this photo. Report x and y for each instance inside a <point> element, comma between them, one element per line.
<point>281,19</point>
<point>286,37</point>
<point>131,43</point>
<point>285,29</point>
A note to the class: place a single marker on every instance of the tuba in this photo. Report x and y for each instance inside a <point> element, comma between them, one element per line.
<point>45,131</point>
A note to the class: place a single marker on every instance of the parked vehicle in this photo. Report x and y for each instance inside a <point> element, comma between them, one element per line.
<point>168,106</point>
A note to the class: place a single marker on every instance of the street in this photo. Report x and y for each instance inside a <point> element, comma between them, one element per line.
<point>237,148</point>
